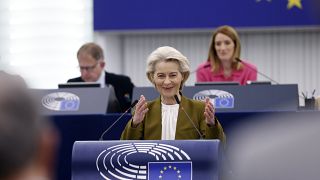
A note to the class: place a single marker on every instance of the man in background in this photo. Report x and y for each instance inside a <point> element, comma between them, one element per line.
<point>91,63</point>
<point>27,141</point>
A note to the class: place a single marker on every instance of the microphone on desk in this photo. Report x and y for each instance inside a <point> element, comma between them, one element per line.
<point>178,102</point>
<point>262,74</point>
<point>132,105</point>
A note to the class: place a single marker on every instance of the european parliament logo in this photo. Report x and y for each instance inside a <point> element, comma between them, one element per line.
<point>61,101</point>
<point>220,99</point>
<point>144,161</point>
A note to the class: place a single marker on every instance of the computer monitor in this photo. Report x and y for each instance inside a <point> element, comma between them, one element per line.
<point>258,83</point>
<point>79,85</point>
<point>216,83</point>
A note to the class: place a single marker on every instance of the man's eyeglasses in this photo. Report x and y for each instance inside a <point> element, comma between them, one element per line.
<point>88,68</point>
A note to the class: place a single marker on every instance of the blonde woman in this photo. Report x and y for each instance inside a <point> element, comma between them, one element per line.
<point>163,118</point>
<point>223,63</point>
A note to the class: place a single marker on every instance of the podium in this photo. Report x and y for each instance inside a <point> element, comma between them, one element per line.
<point>235,98</point>
<point>147,159</point>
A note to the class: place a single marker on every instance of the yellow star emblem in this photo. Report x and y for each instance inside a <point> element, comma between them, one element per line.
<point>292,3</point>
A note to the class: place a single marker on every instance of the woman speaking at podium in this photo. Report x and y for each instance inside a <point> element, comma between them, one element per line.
<point>171,116</point>
<point>223,63</point>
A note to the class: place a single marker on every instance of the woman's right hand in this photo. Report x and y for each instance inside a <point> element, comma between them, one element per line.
<point>141,110</point>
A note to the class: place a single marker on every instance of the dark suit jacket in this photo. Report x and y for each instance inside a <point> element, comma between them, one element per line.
<point>150,128</point>
<point>122,86</point>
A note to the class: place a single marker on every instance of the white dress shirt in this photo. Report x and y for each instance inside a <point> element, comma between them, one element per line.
<point>101,80</point>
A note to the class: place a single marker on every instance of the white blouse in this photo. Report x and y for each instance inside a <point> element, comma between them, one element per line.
<point>169,121</point>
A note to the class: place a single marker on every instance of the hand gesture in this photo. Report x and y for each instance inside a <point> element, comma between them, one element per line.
<point>209,112</point>
<point>141,110</point>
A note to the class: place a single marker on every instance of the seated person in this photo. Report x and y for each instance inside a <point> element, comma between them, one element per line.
<point>27,141</point>
<point>223,63</point>
<point>164,118</point>
<point>91,62</point>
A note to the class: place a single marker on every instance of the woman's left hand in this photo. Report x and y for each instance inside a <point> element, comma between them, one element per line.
<point>209,112</point>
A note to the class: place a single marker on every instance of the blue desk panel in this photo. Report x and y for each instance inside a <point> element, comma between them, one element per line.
<point>82,128</point>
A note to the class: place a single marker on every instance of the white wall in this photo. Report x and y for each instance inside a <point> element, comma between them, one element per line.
<point>287,56</point>
<point>39,38</point>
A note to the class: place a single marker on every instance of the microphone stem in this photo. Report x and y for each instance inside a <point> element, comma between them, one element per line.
<point>201,137</point>
<point>132,106</point>
<point>267,77</point>
<point>101,137</point>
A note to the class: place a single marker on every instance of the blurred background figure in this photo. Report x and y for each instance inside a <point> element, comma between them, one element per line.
<point>91,63</point>
<point>223,63</point>
<point>280,147</point>
<point>27,141</point>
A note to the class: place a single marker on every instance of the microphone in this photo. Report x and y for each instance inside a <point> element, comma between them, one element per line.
<point>262,74</point>
<point>178,102</point>
<point>132,105</point>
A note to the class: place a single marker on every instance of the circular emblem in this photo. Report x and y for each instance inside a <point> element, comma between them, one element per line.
<point>135,160</point>
<point>61,101</point>
<point>219,98</point>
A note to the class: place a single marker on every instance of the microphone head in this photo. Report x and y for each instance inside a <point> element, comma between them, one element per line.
<point>134,103</point>
<point>177,99</point>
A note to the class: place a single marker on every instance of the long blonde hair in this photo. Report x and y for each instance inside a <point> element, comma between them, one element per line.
<point>212,55</point>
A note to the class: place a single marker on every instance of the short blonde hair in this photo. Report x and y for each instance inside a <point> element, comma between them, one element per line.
<point>166,54</point>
